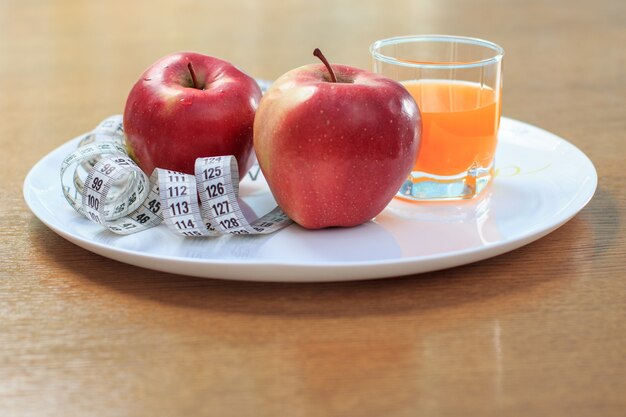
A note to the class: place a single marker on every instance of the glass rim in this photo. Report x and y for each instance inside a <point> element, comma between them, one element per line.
<point>377,45</point>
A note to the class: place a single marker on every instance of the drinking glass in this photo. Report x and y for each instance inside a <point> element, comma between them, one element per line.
<point>457,85</point>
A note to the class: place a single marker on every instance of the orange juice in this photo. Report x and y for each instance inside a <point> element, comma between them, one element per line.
<point>460,123</point>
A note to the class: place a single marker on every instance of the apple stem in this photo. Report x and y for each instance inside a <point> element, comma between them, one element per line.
<point>193,76</point>
<point>322,58</point>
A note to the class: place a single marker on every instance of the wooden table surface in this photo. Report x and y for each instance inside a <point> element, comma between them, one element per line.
<point>540,331</point>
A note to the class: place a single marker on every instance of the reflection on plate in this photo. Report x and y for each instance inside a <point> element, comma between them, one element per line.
<point>542,181</point>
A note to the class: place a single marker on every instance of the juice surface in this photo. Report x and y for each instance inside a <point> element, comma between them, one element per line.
<point>460,122</point>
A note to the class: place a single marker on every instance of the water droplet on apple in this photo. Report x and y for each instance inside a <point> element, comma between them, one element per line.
<point>147,79</point>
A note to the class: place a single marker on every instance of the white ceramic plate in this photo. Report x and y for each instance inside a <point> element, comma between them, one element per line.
<point>542,182</point>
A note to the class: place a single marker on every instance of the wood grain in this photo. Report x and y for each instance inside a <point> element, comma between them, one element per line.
<point>540,331</point>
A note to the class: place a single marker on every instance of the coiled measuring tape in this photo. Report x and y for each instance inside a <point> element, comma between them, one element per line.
<point>100,181</point>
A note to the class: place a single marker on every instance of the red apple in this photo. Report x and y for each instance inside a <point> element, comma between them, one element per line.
<point>186,106</point>
<point>334,153</point>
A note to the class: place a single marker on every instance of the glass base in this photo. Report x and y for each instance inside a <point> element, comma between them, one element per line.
<point>421,186</point>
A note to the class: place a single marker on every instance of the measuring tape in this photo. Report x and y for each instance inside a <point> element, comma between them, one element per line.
<point>100,181</point>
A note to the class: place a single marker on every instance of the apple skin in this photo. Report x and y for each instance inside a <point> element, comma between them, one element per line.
<point>335,154</point>
<point>168,123</point>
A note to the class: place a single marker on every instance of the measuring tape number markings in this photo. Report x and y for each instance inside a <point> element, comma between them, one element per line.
<point>108,188</point>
